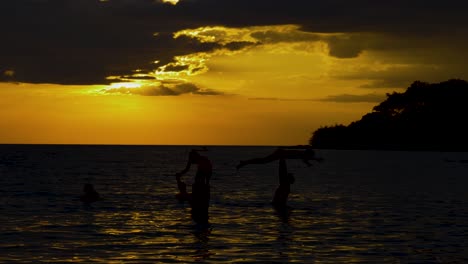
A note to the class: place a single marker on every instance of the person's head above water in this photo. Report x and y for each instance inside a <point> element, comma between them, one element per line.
<point>90,195</point>
<point>194,156</point>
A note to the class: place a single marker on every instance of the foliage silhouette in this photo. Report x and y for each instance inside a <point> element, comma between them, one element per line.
<point>425,117</point>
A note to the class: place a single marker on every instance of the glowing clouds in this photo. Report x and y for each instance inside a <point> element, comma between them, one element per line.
<point>220,35</point>
<point>200,45</point>
<point>259,61</point>
<point>340,45</point>
<point>183,66</point>
<point>168,89</point>
<point>172,2</point>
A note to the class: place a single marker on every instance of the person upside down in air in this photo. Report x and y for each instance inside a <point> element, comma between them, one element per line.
<point>304,153</point>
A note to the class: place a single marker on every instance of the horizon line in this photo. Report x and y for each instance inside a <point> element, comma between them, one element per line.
<point>137,145</point>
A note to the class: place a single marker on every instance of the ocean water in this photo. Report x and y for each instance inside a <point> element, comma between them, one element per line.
<point>354,207</point>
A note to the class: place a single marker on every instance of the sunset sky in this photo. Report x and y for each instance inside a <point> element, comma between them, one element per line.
<point>213,72</point>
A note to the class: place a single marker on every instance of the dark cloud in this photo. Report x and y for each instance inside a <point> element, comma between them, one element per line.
<point>344,47</point>
<point>83,42</point>
<point>351,98</point>
<point>265,99</point>
<point>333,15</point>
<point>400,76</point>
<point>394,82</point>
<point>238,45</point>
<point>279,99</point>
<point>342,98</point>
<point>176,68</point>
<point>164,90</point>
<point>272,36</point>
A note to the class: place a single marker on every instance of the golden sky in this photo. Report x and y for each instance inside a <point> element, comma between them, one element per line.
<point>203,79</point>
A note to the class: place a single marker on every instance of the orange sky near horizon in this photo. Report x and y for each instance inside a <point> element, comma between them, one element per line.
<point>75,115</point>
<point>274,93</point>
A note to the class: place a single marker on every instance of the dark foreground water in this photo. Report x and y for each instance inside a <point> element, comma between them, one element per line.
<point>355,207</point>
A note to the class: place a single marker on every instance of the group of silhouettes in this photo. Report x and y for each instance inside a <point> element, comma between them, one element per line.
<point>199,198</point>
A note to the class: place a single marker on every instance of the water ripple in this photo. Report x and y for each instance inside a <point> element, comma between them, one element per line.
<point>356,207</point>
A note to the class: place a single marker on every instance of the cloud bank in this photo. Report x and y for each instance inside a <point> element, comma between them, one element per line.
<point>162,90</point>
<point>85,42</point>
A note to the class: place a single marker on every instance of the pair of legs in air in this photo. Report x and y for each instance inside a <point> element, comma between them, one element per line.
<point>304,153</point>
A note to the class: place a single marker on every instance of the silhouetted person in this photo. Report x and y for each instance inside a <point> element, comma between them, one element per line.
<point>200,197</point>
<point>90,195</point>
<point>285,180</point>
<point>305,153</point>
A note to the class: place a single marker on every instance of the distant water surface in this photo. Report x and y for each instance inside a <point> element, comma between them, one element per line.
<point>354,207</point>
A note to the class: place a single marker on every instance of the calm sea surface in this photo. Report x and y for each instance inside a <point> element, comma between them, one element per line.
<point>354,207</point>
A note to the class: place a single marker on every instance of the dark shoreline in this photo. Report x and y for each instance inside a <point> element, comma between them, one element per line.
<point>412,149</point>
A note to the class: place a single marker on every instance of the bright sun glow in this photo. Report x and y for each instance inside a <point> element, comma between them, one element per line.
<point>128,85</point>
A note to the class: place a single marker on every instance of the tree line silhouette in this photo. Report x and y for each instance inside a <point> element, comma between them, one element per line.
<point>427,116</point>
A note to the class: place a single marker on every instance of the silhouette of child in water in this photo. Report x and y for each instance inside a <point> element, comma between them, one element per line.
<point>90,195</point>
<point>183,195</point>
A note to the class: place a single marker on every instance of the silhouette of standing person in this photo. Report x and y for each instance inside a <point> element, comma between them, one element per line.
<point>285,180</point>
<point>200,197</point>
